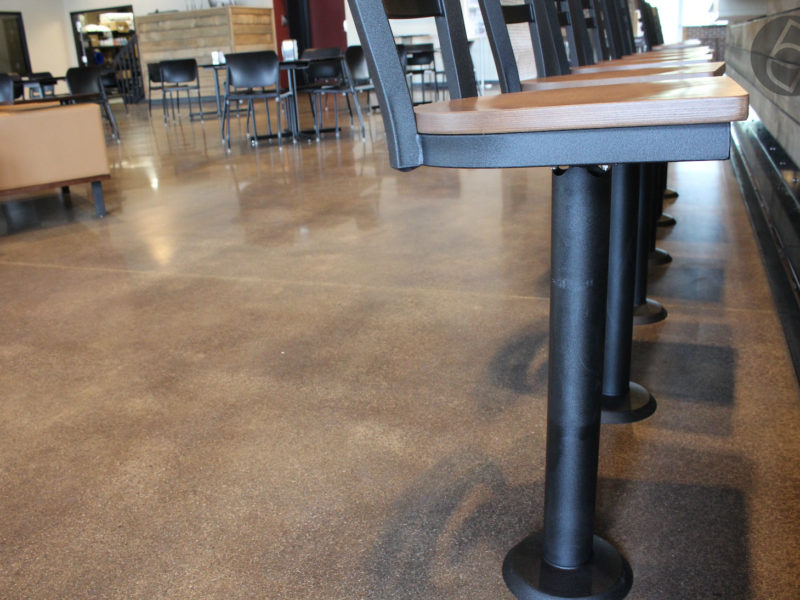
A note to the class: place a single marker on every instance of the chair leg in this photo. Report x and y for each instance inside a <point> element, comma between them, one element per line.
<point>111,120</point>
<point>278,103</point>
<point>318,114</point>
<point>269,120</point>
<point>222,123</point>
<point>336,113</point>
<point>360,117</point>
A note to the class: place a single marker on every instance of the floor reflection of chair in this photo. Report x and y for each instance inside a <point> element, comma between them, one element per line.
<point>252,76</point>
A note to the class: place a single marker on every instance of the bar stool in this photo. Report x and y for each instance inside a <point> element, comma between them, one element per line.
<point>589,128</point>
<point>624,401</point>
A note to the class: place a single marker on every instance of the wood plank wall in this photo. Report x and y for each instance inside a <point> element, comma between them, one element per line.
<point>196,34</point>
<point>780,112</point>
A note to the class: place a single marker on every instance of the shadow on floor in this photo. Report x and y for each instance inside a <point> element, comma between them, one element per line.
<point>447,534</point>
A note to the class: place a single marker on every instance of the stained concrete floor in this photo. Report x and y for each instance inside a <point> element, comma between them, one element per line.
<point>295,373</point>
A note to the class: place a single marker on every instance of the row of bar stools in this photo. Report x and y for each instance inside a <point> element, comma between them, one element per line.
<point>586,128</point>
<point>624,401</point>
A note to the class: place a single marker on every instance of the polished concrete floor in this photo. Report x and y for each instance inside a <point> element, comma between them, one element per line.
<point>295,373</point>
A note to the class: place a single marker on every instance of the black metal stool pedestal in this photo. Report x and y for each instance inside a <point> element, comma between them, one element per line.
<point>623,401</point>
<point>645,310</point>
<point>567,560</point>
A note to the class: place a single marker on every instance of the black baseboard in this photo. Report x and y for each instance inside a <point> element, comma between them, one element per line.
<point>770,185</point>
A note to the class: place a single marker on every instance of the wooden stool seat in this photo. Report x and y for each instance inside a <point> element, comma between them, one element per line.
<point>608,77</point>
<point>658,103</point>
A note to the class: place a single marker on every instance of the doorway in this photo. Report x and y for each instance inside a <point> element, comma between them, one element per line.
<point>101,34</point>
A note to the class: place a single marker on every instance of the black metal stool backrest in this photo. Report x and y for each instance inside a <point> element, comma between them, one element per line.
<point>548,43</point>
<point>608,28</point>
<point>579,29</point>
<point>496,19</point>
<point>6,89</point>
<point>548,26</point>
<point>85,80</point>
<point>372,22</point>
<point>179,71</point>
<point>626,24</point>
<point>650,27</point>
<point>249,70</point>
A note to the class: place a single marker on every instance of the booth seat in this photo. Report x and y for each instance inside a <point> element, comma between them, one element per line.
<point>49,146</point>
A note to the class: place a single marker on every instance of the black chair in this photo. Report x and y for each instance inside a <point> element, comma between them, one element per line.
<point>88,80</point>
<point>421,59</point>
<point>603,136</point>
<point>180,76</point>
<point>328,75</point>
<point>6,89</point>
<point>41,84</point>
<point>252,76</point>
<point>359,72</point>
<point>153,84</point>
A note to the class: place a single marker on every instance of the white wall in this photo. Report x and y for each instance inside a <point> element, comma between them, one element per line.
<point>45,30</point>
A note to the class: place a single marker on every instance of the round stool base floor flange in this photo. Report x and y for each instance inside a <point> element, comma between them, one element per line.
<point>659,257</point>
<point>650,312</point>
<point>666,220</point>
<point>636,405</point>
<point>607,575</point>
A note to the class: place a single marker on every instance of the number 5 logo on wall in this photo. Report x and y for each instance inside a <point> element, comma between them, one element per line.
<point>775,56</point>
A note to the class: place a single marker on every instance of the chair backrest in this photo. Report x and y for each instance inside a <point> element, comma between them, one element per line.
<point>154,72</point>
<point>253,69</point>
<point>579,32</point>
<point>548,43</point>
<point>418,55</point>
<point>357,64</point>
<point>183,70</point>
<point>6,89</point>
<point>626,25</point>
<point>85,80</point>
<point>45,78</point>
<point>372,22</point>
<point>326,64</point>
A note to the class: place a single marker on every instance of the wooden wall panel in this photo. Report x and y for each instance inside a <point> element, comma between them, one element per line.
<point>196,34</point>
<point>779,110</point>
